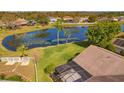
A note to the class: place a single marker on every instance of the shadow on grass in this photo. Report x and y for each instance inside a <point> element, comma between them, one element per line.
<point>84,44</point>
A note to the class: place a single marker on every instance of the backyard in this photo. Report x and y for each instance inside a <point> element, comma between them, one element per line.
<point>56,55</point>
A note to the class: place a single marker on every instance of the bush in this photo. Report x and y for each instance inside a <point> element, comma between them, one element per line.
<point>110,47</point>
<point>2,76</point>
<point>15,78</point>
<point>49,69</point>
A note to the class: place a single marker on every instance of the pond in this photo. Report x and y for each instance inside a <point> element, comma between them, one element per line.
<point>43,38</point>
<point>122,27</point>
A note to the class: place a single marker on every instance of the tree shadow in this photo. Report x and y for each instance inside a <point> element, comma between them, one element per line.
<point>84,44</point>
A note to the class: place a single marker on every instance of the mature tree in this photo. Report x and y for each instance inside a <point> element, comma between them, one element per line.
<point>92,18</point>
<point>76,19</point>
<point>22,49</point>
<point>43,20</point>
<point>102,33</point>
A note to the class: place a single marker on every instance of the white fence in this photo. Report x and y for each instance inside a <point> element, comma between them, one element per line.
<point>12,60</point>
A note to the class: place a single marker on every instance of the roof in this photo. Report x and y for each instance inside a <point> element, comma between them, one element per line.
<point>68,18</point>
<point>1,23</point>
<point>98,61</point>
<point>21,21</point>
<point>116,78</point>
<point>70,75</point>
<point>71,72</point>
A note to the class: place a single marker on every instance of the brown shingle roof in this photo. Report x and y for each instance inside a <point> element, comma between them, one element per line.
<point>98,61</point>
<point>116,78</point>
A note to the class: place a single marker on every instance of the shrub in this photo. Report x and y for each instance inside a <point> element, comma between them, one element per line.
<point>2,76</point>
<point>49,69</point>
<point>110,47</point>
<point>15,78</point>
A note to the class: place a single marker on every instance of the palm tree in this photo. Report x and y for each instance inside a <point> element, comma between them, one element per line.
<point>22,50</point>
<point>67,34</point>
<point>59,27</point>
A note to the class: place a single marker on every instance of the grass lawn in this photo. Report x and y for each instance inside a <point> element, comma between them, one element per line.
<point>56,55</point>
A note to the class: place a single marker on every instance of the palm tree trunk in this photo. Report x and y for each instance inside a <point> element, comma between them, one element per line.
<point>58,38</point>
<point>68,38</point>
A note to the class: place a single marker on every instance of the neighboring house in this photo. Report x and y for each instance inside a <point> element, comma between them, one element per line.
<point>93,62</point>
<point>83,19</point>
<point>2,24</point>
<point>21,22</point>
<point>114,19</point>
<point>31,23</point>
<point>121,19</point>
<point>100,19</point>
<point>52,19</point>
<point>68,19</point>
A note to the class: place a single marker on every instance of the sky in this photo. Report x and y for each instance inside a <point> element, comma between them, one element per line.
<point>61,5</point>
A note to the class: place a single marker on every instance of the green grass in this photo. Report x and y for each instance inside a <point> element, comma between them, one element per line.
<point>56,55</point>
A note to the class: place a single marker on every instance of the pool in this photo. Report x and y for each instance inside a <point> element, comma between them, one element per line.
<point>43,38</point>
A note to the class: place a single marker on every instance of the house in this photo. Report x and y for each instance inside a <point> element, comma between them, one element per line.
<point>121,19</point>
<point>68,19</point>
<point>52,19</point>
<point>2,24</point>
<point>31,23</point>
<point>21,22</point>
<point>114,19</point>
<point>93,62</point>
<point>100,19</point>
<point>83,19</point>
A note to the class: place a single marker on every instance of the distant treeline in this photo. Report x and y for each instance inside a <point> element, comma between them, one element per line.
<point>10,16</point>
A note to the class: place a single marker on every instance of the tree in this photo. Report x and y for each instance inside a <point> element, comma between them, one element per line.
<point>68,32</point>
<point>44,20</point>
<point>92,18</point>
<point>111,47</point>
<point>59,27</point>
<point>22,50</point>
<point>102,33</point>
<point>76,19</point>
